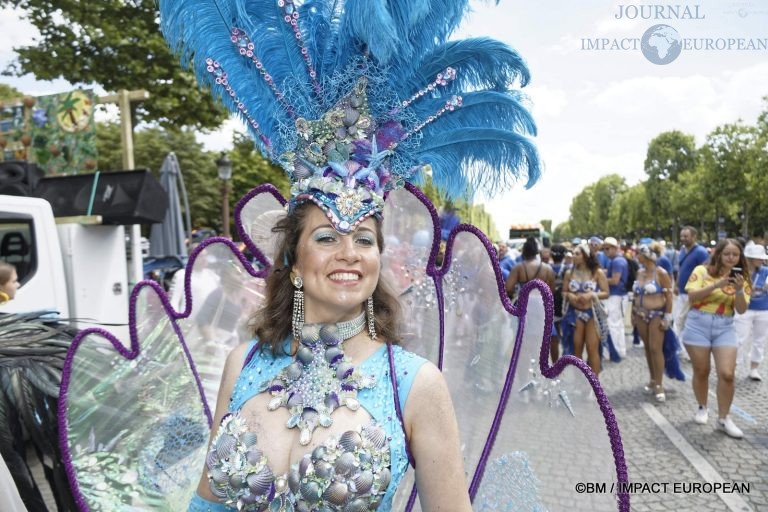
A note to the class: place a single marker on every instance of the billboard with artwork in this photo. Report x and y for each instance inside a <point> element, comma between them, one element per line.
<point>56,131</point>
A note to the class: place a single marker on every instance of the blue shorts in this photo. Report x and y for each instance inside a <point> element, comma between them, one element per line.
<point>709,330</point>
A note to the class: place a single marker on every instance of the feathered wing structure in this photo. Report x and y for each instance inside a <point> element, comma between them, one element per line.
<point>447,106</point>
<point>32,351</point>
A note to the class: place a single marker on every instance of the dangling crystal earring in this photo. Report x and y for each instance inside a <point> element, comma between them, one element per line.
<point>371,322</point>
<point>298,306</point>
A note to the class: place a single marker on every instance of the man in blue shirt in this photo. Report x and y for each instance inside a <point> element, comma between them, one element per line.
<point>617,273</point>
<point>691,255</point>
<point>506,262</point>
<point>663,261</point>
<point>596,246</point>
<point>753,324</point>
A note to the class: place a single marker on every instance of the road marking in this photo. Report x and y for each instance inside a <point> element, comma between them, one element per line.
<point>734,408</point>
<point>733,501</point>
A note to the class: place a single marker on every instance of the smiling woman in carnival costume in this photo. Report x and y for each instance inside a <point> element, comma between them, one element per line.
<point>324,410</point>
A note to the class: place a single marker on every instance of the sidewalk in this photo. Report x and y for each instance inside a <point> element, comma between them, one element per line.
<point>662,444</point>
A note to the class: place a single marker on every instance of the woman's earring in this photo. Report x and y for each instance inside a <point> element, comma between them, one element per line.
<point>298,306</point>
<point>371,322</point>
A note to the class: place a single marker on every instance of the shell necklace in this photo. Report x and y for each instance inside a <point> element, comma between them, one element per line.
<point>320,379</point>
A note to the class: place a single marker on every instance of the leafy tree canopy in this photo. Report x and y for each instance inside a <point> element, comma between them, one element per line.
<point>8,93</point>
<point>198,167</point>
<point>118,45</point>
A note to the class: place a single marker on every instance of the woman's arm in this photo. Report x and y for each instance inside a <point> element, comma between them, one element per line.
<point>699,294</point>
<point>665,280</point>
<point>740,302</point>
<point>512,281</point>
<point>567,295</point>
<point>434,442</point>
<point>602,283</point>
<point>229,376</point>
<point>549,278</point>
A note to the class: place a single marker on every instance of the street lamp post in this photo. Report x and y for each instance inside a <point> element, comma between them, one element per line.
<point>224,167</point>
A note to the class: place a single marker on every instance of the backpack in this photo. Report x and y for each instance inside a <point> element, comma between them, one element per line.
<point>632,267</point>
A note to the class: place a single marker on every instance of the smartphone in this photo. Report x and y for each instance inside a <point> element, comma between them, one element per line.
<point>734,271</point>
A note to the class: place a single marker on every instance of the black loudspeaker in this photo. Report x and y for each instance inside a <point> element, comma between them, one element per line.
<point>18,178</point>
<point>124,197</point>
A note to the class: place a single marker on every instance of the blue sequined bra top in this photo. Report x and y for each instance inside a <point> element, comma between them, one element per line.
<point>355,470</point>
<point>586,286</point>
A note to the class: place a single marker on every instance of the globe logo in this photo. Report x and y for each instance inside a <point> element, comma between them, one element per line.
<point>661,44</point>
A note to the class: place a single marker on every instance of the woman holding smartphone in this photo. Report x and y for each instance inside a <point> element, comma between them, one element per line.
<point>715,291</point>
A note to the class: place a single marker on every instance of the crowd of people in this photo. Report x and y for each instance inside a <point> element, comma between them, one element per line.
<point>701,304</point>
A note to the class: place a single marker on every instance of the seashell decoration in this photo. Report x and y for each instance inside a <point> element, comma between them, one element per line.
<point>249,439</point>
<point>336,493</point>
<point>225,446</point>
<point>323,469</point>
<point>376,435</point>
<point>261,482</point>
<point>350,441</point>
<point>345,464</point>
<point>363,481</point>
<point>311,491</point>
<point>357,505</point>
<point>384,478</point>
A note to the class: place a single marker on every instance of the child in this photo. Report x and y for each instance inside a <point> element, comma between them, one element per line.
<point>9,282</point>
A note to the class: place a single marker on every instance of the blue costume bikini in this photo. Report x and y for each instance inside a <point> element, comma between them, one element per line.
<point>651,287</point>
<point>586,286</point>
<point>379,456</point>
<point>670,345</point>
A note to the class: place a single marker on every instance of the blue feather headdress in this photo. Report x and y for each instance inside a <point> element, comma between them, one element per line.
<point>354,98</point>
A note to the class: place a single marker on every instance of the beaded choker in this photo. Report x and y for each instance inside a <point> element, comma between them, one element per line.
<point>320,379</point>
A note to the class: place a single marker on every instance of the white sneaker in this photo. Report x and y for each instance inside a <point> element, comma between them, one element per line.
<point>754,375</point>
<point>702,415</point>
<point>727,426</point>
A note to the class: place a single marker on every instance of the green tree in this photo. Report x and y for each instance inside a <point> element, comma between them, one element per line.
<point>730,157</point>
<point>250,169</point>
<point>690,196</point>
<point>631,216</point>
<point>8,93</point>
<point>118,45</point>
<point>669,155</point>
<point>562,232</point>
<point>151,146</point>
<point>604,194</point>
<point>581,212</point>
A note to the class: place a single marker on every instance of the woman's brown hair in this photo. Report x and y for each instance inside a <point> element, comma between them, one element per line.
<point>273,322</point>
<point>715,266</point>
<point>590,259</point>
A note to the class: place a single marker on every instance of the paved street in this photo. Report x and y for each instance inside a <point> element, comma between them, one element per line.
<point>663,444</point>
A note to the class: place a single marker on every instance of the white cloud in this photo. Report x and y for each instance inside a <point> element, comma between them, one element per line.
<point>546,101</point>
<point>612,27</point>
<point>221,139</point>
<point>695,104</point>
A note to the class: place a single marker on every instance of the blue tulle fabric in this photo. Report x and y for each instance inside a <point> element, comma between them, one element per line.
<point>378,402</point>
<point>671,361</point>
<point>512,487</point>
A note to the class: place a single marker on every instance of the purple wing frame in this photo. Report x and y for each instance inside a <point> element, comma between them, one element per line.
<point>248,214</point>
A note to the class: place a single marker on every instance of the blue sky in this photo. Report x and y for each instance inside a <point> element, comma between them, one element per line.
<point>596,110</point>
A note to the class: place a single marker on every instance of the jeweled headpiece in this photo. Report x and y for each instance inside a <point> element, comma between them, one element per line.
<point>354,98</point>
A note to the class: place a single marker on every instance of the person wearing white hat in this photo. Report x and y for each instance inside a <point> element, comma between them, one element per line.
<point>753,324</point>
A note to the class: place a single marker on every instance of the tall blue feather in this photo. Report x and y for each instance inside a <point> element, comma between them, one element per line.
<point>481,145</point>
